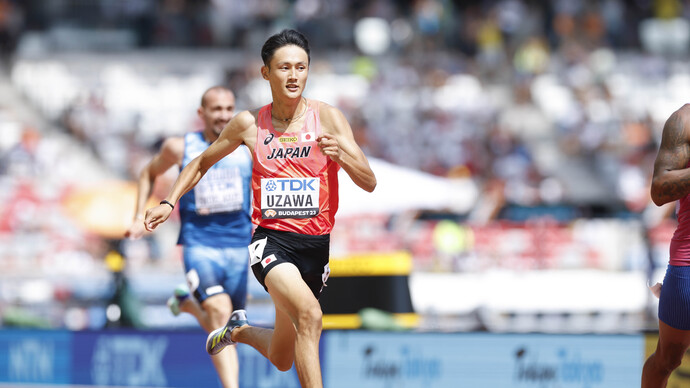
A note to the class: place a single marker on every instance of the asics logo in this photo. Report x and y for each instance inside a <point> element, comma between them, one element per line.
<point>268,139</point>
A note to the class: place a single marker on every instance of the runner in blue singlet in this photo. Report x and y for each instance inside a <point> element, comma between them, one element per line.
<point>215,224</point>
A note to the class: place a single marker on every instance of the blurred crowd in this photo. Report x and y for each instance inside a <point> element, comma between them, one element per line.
<point>543,104</point>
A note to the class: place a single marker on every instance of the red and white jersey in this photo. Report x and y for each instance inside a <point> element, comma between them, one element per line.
<point>680,243</point>
<point>295,186</point>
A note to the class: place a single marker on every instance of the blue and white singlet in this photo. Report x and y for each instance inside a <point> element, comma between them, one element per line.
<point>217,211</point>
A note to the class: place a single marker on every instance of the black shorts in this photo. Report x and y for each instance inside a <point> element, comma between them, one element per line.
<point>308,253</point>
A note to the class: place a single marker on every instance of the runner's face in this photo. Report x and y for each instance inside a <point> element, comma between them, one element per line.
<point>288,71</point>
<point>217,110</point>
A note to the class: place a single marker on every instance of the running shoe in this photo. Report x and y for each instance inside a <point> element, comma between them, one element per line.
<point>179,295</point>
<point>220,338</point>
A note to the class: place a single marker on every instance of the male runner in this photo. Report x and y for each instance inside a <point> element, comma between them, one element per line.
<point>215,224</point>
<point>298,145</point>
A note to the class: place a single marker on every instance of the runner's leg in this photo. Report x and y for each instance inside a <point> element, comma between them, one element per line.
<point>297,328</point>
<point>277,345</point>
<point>668,355</point>
<point>293,297</point>
<point>202,274</point>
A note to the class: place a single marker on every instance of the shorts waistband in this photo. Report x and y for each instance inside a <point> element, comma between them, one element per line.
<point>307,237</point>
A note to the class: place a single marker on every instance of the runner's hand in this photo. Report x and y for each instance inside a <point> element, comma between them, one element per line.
<point>156,216</point>
<point>136,230</point>
<point>329,146</point>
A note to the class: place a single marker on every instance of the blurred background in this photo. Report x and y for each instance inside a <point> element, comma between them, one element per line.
<point>513,141</point>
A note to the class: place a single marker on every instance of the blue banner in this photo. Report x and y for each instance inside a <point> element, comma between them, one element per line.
<point>126,358</point>
<point>139,358</point>
<point>349,359</point>
<point>406,360</point>
<point>35,356</point>
<point>165,359</point>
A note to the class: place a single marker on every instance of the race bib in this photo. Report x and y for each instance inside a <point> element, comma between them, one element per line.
<point>220,190</point>
<point>289,197</point>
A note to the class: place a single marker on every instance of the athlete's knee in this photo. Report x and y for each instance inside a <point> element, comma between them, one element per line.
<point>281,361</point>
<point>670,357</point>
<point>309,318</point>
<point>218,310</point>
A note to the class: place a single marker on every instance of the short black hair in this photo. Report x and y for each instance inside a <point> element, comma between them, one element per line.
<point>283,38</point>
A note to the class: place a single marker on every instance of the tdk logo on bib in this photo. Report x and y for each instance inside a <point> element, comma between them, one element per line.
<point>289,197</point>
<point>292,184</point>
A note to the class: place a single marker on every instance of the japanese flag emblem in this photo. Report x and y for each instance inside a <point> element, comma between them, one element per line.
<point>268,260</point>
<point>308,136</point>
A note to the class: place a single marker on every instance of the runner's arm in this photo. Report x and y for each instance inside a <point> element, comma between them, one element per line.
<point>170,154</point>
<point>671,178</point>
<point>338,143</point>
<point>229,139</point>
